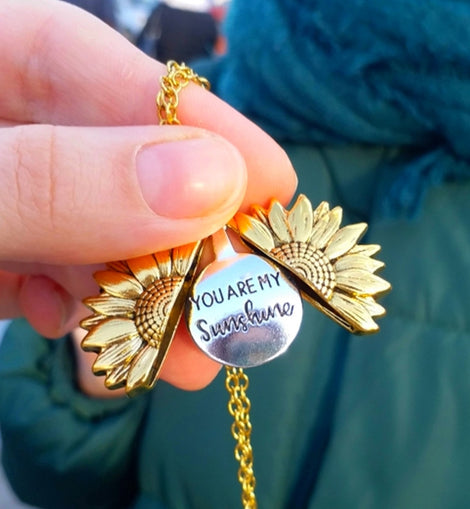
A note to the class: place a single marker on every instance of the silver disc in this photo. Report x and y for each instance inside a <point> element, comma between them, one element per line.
<point>242,311</point>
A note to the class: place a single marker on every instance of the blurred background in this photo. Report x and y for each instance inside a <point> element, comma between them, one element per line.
<point>7,498</point>
<point>181,30</point>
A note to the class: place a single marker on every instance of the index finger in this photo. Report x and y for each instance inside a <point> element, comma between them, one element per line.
<point>72,69</point>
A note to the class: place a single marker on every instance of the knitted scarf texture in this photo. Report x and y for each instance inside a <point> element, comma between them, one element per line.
<point>393,73</point>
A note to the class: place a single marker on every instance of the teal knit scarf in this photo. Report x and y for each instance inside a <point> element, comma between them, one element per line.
<point>393,73</point>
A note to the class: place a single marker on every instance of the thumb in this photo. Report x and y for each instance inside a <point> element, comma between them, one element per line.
<point>80,195</point>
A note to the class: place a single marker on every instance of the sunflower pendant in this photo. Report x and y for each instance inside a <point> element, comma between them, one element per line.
<point>243,309</point>
<point>135,316</point>
<point>332,271</point>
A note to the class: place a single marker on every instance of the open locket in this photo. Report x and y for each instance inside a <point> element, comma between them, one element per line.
<point>242,310</point>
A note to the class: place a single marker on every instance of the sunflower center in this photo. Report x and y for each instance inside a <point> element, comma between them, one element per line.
<point>153,309</point>
<point>309,263</point>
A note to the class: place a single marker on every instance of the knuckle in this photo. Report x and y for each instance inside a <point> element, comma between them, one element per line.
<point>41,60</point>
<point>34,188</point>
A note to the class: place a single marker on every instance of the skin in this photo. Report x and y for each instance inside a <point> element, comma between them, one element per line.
<point>88,177</point>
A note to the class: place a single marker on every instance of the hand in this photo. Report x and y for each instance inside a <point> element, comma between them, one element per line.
<point>87,176</point>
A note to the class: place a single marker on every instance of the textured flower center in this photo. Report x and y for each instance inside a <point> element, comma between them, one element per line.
<point>153,309</point>
<point>310,263</point>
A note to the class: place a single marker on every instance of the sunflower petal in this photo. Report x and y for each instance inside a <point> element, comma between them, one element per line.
<point>91,321</point>
<point>183,257</point>
<point>354,312</point>
<point>118,353</point>
<point>365,249</point>
<point>300,219</point>
<point>118,284</point>
<point>143,372</point>
<point>344,239</point>
<point>120,266</point>
<point>372,306</point>
<point>361,282</point>
<point>254,232</point>
<point>278,220</point>
<point>318,231</point>
<point>320,211</point>
<point>163,259</point>
<point>110,306</point>
<point>261,214</point>
<point>331,225</point>
<point>144,269</point>
<point>117,377</point>
<point>358,261</point>
<point>108,332</point>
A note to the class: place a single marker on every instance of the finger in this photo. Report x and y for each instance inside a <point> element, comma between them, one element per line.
<point>10,287</point>
<point>103,194</point>
<point>186,366</point>
<point>47,306</point>
<point>76,279</point>
<point>63,79</point>
<point>101,79</point>
<point>51,309</point>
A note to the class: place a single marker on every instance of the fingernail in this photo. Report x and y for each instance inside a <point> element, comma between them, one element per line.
<point>191,178</point>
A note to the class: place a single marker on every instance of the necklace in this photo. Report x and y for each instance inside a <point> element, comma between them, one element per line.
<point>243,309</point>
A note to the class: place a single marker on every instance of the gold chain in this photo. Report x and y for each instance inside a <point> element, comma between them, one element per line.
<point>236,383</point>
<point>177,77</point>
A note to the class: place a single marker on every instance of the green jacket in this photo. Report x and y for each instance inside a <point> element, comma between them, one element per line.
<point>372,102</point>
<point>338,421</point>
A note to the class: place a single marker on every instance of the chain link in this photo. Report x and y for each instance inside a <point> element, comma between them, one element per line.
<point>177,77</point>
<point>236,382</point>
